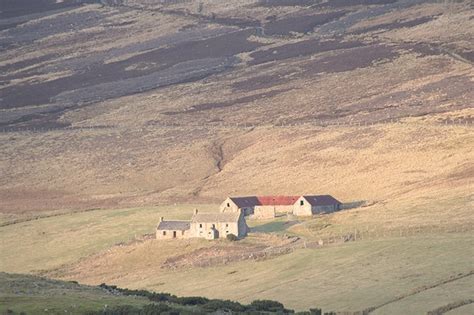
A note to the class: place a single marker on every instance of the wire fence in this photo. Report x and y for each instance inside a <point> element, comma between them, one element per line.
<point>374,233</point>
<point>168,125</point>
<point>210,261</point>
<point>351,235</point>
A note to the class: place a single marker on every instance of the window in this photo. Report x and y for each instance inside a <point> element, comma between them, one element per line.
<point>227,225</point>
<point>228,205</point>
<point>226,232</point>
<point>301,202</point>
<point>164,232</point>
<point>200,225</point>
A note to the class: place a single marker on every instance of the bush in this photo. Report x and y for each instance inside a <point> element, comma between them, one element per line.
<point>192,300</point>
<point>267,306</point>
<point>118,310</point>
<point>155,309</point>
<point>162,297</point>
<point>216,305</point>
<point>231,237</point>
<point>150,309</point>
<point>312,311</point>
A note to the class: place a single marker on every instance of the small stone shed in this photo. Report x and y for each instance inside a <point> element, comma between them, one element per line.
<point>315,204</point>
<point>172,229</point>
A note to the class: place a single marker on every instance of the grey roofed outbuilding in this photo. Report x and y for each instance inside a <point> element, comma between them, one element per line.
<point>322,200</point>
<point>174,225</point>
<point>243,202</point>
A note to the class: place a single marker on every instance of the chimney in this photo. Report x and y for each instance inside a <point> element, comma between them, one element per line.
<point>162,219</point>
<point>196,211</point>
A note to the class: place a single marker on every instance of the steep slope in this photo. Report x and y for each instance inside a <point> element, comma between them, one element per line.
<point>139,102</point>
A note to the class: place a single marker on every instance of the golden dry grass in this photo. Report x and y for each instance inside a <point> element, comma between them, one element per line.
<point>406,164</point>
<point>352,276</point>
<point>52,242</point>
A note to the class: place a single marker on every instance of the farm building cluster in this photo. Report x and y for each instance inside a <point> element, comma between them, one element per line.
<point>233,211</point>
<point>266,207</point>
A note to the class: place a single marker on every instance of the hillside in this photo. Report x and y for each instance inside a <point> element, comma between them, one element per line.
<point>197,102</point>
<point>22,294</point>
<point>35,295</point>
<point>390,269</point>
<point>114,113</point>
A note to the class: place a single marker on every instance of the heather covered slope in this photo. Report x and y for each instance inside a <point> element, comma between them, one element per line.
<point>139,102</point>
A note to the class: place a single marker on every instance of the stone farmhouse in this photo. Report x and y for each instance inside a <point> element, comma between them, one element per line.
<point>205,225</point>
<point>266,207</point>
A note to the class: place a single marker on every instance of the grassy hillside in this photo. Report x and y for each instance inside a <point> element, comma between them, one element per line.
<point>368,273</point>
<point>22,294</point>
<point>54,241</point>
<point>34,295</point>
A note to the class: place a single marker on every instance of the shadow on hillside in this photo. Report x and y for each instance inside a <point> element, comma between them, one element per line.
<point>272,227</point>
<point>354,204</point>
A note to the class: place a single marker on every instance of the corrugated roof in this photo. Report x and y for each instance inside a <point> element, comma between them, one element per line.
<point>251,201</point>
<point>216,217</point>
<point>174,225</point>
<point>321,200</point>
<point>277,200</point>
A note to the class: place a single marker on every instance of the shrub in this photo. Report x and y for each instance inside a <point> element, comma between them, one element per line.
<point>192,300</point>
<point>231,237</point>
<point>162,297</point>
<point>267,306</point>
<point>118,310</point>
<point>155,309</point>
<point>215,305</point>
<point>312,311</point>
